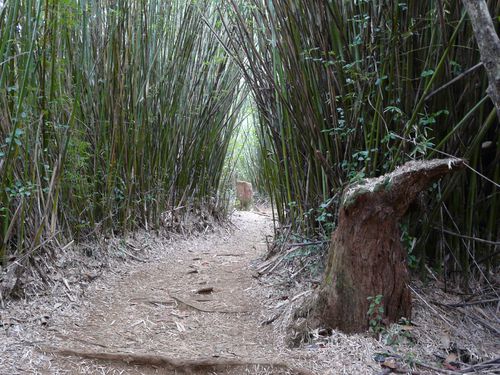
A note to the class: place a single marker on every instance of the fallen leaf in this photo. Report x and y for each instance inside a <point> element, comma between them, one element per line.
<point>445,341</point>
<point>180,327</point>
<point>452,357</point>
<point>379,357</point>
<point>450,367</point>
<point>406,327</point>
<point>390,363</point>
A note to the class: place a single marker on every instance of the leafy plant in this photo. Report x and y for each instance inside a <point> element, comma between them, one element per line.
<point>376,314</point>
<point>399,333</point>
<point>409,242</point>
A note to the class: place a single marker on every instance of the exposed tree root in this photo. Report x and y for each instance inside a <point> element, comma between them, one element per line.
<point>188,366</point>
<point>191,306</point>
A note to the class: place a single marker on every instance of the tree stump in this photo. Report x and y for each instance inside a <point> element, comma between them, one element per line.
<point>366,257</point>
<point>244,193</point>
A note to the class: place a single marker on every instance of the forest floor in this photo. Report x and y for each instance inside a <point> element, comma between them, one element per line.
<point>197,305</point>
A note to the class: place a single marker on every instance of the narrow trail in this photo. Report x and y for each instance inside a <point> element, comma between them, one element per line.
<point>156,308</point>
<point>196,308</point>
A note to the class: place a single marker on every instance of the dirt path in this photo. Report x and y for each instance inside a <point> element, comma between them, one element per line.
<point>193,300</point>
<point>195,303</point>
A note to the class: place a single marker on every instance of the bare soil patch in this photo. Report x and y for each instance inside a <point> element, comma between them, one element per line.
<point>196,306</point>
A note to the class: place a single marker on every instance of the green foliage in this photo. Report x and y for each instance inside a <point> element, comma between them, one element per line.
<point>376,314</point>
<point>324,217</point>
<point>19,189</point>
<point>78,155</point>
<point>399,333</point>
<point>243,150</point>
<point>408,242</point>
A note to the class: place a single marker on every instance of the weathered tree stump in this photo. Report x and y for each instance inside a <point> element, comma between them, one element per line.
<point>244,193</point>
<point>366,257</point>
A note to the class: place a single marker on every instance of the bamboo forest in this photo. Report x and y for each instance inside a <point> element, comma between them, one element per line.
<point>249,187</point>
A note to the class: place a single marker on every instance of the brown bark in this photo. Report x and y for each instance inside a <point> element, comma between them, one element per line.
<point>489,45</point>
<point>366,256</point>
<point>244,193</point>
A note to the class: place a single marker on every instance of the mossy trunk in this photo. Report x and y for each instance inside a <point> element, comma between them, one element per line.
<point>366,256</point>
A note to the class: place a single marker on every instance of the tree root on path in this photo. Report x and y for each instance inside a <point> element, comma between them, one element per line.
<point>175,364</point>
<point>191,306</point>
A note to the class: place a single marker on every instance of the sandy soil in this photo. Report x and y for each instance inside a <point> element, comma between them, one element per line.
<point>194,305</point>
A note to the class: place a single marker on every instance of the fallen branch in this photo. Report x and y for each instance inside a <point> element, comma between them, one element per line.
<point>492,364</point>
<point>133,256</point>
<point>437,369</point>
<point>270,265</point>
<point>230,255</point>
<point>465,304</point>
<point>271,319</point>
<point>494,243</point>
<point>457,78</point>
<point>305,244</point>
<point>147,300</point>
<point>189,305</point>
<point>182,365</point>
<point>86,342</point>
<point>206,290</point>
<point>486,324</point>
<point>261,214</point>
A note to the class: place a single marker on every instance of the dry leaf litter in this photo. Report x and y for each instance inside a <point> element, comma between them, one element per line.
<point>202,298</point>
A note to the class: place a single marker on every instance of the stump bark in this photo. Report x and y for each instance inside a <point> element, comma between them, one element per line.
<point>244,193</point>
<point>366,257</point>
